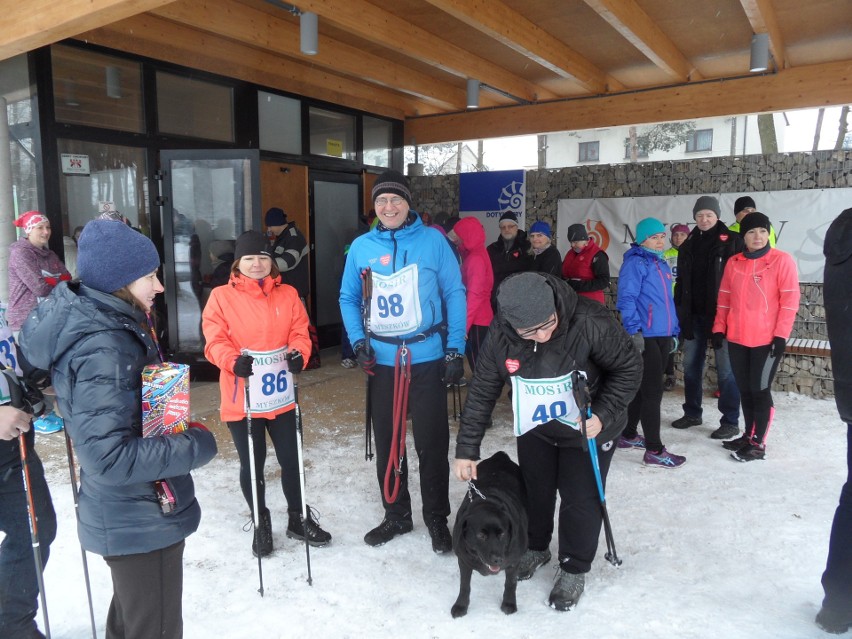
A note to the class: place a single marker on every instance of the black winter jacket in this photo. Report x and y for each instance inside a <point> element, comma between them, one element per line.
<point>838,308</point>
<point>506,262</point>
<point>95,347</point>
<point>548,261</point>
<point>587,338</point>
<point>726,244</point>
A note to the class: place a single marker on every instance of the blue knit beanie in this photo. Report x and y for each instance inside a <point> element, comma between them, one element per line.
<point>275,217</point>
<point>111,255</point>
<point>648,227</point>
<point>540,227</point>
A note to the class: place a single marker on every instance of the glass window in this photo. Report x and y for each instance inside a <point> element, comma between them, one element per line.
<point>97,177</point>
<point>378,141</point>
<point>96,89</point>
<point>194,108</point>
<point>590,151</point>
<point>640,152</point>
<point>332,133</point>
<point>15,88</point>
<point>280,122</point>
<point>701,140</point>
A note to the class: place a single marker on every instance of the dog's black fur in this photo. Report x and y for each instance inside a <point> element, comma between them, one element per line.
<point>490,535</point>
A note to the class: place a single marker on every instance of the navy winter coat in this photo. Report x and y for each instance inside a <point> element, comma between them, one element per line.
<point>95,347</point>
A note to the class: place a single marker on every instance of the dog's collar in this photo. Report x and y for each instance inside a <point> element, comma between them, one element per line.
<point>471,489</point>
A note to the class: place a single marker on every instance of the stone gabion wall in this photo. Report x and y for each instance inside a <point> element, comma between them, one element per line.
<point>776,172</point>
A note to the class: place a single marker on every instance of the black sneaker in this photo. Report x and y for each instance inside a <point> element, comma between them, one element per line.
<point>261,543</point>
<point>687,422</point>
<point>530,561</point>
<point>736,444</point>
<point>566,590</point>
<point>750,452</point>
<point>387,530</point>
<point>725,431</point>
<point>316,535</point>
<point>669,383</point>
<point>835,623</point>
<point>442,542</point>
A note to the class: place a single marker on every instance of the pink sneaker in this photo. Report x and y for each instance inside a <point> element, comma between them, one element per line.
<point>637,442</point>
<point>663,459</point>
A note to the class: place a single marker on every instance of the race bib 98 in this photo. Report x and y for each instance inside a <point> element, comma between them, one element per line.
<point>395,306</point>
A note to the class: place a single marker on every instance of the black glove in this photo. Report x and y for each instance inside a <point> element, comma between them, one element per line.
<point>366,356</point>
<point>717,340</point>
<point>295,362</point>
<point>638,341</point>
<point>453,367</point>
<point>776,348</point>
<point>686,331</point>
<point>242,366</point>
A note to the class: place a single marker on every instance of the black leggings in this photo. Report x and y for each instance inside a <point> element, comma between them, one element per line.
<point>548,469</point>
<point>645,406</point>
<point>754,371</point>
<point>282,432</point>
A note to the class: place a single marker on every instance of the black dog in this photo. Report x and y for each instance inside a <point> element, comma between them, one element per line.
<point>490,534</point>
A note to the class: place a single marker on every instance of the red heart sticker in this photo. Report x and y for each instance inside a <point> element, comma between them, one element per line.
<point>385,260</point>
<point>512,365</point>
<point>723,237</point>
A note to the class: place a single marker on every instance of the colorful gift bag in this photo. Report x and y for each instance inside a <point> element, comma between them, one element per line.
<point>165,399</point>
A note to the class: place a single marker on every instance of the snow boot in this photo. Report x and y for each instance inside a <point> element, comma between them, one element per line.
<point>566,590</point>
<point>387,530</point>
<point>834,622</point>
<point>261,543</point>
<point>442,541</point>
<point>530,561</point>
<point>316,535</point>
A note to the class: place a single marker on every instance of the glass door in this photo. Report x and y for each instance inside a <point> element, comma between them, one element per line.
<point>208,198</point>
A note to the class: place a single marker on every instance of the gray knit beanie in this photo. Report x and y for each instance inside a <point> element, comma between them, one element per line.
<point>525,300</point>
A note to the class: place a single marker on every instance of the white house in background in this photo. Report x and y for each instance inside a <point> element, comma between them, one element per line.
<point>712,137</point>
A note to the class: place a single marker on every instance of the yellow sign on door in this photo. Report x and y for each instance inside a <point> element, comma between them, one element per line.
<point>334,147</point>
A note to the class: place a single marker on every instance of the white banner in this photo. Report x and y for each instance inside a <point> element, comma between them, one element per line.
<point>800,219</point>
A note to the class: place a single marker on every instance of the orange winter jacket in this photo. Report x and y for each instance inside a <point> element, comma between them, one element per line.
<point>758,299</point>
<point>259,316</point>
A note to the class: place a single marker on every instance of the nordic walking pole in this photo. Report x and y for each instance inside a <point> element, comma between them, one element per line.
<point>366,301</point>
<point>39,566</point>
<point>581,394</point>
<point>70,451</point>
<point>253,475</point>
<point>302,480</point>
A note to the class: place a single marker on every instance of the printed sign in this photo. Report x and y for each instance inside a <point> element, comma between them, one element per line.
<point>74,164</point>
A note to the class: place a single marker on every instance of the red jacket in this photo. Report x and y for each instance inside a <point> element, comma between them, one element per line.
<point>477,275</point>
<point>258,316</point>
<point>758,299</point>
<point>578,269</point>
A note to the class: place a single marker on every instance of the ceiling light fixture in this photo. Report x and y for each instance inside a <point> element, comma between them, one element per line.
<point>759,53</point>
<point>308,23</point>
<point>472,93</point>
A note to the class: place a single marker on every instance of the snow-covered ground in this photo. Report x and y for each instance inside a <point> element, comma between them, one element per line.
<point>714,549</point>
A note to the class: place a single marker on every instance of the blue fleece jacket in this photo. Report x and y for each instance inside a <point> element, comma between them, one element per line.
<point>440,287</point>
<point>645,294</point>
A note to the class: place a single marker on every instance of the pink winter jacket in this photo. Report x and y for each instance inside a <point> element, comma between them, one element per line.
<point>33,272</point>
<point>477,275</point>
<point>758,299</point>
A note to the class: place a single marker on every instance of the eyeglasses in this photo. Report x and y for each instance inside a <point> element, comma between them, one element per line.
<point>383,201</point>
<point>531,332</point>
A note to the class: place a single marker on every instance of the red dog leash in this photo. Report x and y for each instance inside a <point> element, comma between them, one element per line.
<point>401,383</point>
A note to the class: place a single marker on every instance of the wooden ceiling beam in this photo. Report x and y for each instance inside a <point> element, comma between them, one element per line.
<point>381,27</point>
<point>795,88</point>
<point>761,16</point>
<point>255,28</point>
<point>631,21</point>
<point>31,24</point>
<point>155,37</point>
<point>515,31</point>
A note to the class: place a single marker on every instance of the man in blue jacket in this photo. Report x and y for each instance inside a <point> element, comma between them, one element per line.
<point>414,278</point>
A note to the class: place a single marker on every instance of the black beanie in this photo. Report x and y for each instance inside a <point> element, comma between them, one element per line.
<point>755,220</point>
<point>509,216</point>
<point>252,243</point>
<point>577,233</point>
<point>392,182</point>
<point>275,217</point>
<point>744,202</point>
<point>707,203</point>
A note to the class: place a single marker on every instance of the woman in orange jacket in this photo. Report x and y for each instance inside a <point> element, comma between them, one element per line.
<point>257,334</point>
<point>757,304</point>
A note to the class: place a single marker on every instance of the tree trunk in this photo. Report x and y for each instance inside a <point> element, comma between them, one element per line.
<point>842,129</point>
<point>634,150</point>
<point>734,136</point>
<point>480,154</point>
<point>818,130</point>
<point>766,128</point>
<point>459,158</point>
<point>542,151</point>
